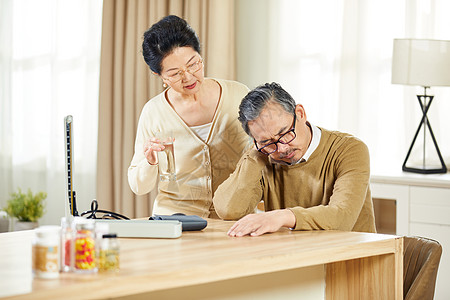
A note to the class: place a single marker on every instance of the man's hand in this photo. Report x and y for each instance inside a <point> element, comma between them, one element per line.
<point>258,224</point>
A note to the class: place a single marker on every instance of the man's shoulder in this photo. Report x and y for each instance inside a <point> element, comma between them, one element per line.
<point>344,150</point>
<point>338,138</point>
<point>343,144</point>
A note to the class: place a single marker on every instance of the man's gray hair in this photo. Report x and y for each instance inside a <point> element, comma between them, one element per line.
<point>252,104</point>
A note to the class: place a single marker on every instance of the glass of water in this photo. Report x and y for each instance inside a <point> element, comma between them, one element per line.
<point>166,157</point>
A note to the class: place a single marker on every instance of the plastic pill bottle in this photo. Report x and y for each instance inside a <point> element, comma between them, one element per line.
<point>84,246</point>
<point>46,254</point>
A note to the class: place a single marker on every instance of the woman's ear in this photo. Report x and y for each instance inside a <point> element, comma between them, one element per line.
<point>164,84</point>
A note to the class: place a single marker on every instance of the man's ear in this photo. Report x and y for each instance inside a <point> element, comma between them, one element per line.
<point>300,112</point>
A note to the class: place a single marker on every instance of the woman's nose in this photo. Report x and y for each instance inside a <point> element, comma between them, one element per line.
<point>186,75</point>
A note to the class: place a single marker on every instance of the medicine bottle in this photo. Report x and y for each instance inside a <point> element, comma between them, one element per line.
<point>66,245</point>
<point>46,252</point>
<point>109,253</point>
<point>83,248</point>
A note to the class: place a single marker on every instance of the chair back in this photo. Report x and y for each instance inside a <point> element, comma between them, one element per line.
<point>421,257</point>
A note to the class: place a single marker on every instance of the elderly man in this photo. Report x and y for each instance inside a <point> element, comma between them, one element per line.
<point>309,178</point>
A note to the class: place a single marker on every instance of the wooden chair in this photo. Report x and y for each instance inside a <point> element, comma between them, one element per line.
<point>421,257</point>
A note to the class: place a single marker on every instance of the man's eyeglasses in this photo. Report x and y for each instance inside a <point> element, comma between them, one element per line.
<point>191,68</point>
<point>285,138</point>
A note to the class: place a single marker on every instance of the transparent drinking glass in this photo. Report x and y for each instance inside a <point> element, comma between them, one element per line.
<point>166,158</point>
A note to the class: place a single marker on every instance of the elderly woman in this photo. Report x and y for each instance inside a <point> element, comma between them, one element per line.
<point>200,112</point>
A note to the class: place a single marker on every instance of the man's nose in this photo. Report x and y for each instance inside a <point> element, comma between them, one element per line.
<point>282,147</point>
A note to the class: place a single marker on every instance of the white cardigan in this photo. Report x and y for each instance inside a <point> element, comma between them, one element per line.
<point>200,166</point>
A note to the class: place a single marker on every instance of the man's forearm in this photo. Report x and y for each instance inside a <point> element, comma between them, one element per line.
<point>240,193</point>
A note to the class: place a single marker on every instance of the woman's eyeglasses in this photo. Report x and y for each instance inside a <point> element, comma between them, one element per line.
<point>191,69</point>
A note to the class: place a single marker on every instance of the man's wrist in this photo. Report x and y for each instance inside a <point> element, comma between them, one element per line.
<point>289,218</point>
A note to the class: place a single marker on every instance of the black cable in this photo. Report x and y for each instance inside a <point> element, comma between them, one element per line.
<point>107,214</point>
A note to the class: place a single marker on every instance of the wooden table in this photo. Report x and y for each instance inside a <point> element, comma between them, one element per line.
<point>210,265</point>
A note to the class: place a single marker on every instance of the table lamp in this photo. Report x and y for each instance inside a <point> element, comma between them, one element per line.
<point>424,63</point>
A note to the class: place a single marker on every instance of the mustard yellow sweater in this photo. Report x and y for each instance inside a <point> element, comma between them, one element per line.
<point>328,191</point>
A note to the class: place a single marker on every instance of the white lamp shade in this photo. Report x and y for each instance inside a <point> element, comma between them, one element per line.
<point>421,62</point>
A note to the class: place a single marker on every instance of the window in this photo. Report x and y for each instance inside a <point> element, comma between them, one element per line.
<point>334,57</point>
<point>50,56</point>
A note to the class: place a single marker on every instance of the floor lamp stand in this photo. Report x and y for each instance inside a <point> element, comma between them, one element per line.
<point>425,102</point>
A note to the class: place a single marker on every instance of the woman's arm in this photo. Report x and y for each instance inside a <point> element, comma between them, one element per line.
<point>142,173</point>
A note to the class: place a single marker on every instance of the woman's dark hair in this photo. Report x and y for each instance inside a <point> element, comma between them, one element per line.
<point>254,102</point>
<point>163,37</point>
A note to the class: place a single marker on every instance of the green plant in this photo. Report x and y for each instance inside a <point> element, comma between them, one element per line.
<point>26,207</point>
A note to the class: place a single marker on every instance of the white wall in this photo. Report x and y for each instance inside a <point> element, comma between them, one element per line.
<point>256,55</point>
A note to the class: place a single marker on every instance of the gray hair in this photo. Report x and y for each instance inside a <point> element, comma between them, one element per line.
<point>252,104</point>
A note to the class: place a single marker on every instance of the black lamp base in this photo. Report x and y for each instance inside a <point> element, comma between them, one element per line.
<point>425,102</point>
<point>425,171</point>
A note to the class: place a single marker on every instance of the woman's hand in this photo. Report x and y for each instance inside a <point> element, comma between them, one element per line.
<point>151,147</point>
